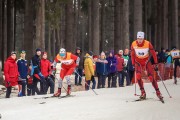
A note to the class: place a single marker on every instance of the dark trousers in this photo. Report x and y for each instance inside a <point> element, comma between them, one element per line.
<point>34,86</point>
<point>101,81</point>
<point>113,77</point>
<point>8,92</point>
<point>125,74</point>
<point>131,75</point>
<point>29,89</point>
<point>175,71</point>
<point>49,83</point>
<point>120,77</point>
<point>42,85</point>
<point>80,72</point>
<point>23,83</point>
<point>89,82</point>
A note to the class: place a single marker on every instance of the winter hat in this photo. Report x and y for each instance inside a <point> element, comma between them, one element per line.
<point>38,49</point>
<point>140,34</point>
<point>44,53</point>
<point>90,53</point>
<point>120,51</point>
<point>103,54</point>
<point>22,52</point>
<point>62,52</point>
<point>13,52</point>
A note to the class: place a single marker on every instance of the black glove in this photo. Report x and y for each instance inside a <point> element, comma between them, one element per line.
<point>8,83</point>
<point>156,68</point>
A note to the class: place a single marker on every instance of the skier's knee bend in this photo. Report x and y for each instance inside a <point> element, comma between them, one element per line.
<point>68,79</point>
<point>60,83</point>
<point>138,75</point>
<point>151,78</point>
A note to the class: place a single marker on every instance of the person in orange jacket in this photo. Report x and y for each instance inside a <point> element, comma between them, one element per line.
<point>140,55</point>
<point>69,62</point>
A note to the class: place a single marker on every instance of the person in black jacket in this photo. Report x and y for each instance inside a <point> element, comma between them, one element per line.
<point>130,68</point>
<point>37,75</point>
<point>79,69</point>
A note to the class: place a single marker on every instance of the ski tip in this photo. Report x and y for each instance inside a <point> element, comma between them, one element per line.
<point>170,96</point>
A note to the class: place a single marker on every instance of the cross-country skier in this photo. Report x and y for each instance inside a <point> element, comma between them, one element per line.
<point>140,55</point>
<point>69,62</point>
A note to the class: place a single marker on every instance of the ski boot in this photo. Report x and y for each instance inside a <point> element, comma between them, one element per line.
<point>68,90</point>
<point>58,93</point>
<point>159,95</point>
<point>175,81</point>
<point>143,95</point>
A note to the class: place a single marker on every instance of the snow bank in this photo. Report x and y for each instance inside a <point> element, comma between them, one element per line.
<point>110,104</point>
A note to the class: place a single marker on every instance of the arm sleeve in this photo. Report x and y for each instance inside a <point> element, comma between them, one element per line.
<point>132,55</point>
<point>152,51</point>
<point>90,65</point>
<point>49,67</point>
<point>6,69</point>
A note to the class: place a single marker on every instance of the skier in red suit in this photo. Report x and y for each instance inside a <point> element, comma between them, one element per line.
<point>68,62</point>
<point>140,56</point>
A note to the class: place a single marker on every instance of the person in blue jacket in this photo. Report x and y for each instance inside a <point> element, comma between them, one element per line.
<point>23,71</point>
<point>112,61</point>
<point>101,70</point>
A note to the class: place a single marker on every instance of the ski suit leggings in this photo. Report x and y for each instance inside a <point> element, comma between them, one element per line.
<point>148,67</point>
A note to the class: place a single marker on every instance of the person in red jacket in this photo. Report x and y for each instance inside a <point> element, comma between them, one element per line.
<point>11,73</point>
<point>46,72</point>
<point>69,62</point>
<point>140,55</point>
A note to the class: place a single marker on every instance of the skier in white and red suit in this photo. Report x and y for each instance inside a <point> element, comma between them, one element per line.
<point>140,56</point>
<point>69,62</point>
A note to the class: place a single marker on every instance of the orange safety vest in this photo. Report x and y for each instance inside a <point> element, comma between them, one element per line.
<point>67,60</point>
<point>142,51</point>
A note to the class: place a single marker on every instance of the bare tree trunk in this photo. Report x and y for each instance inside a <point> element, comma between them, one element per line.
<point>125,25</point>
<point>28,28</point>
<point>5,31</point>
<point>117,26</point>
<point>102,38</point>
<point>165,24</point>
<point>49,40</point>
<point>175,41</point>
<point>95,26</point>
<point>40,25</point>
<point>138,26</point>
<point>1,31</point>
<point>69,42</point>
<point>10,26</point>
<point>89,24</point>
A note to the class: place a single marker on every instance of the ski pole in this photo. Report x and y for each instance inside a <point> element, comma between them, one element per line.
<point>135,83</point>
<point>164,84</point>
<point>86,83</point>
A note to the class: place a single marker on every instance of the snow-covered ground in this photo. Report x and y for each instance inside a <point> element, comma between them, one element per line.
<point>110,104</point>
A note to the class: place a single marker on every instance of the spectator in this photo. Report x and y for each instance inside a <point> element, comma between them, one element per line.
<point>101,69</point>
<point>46,72</point>
<point>125,74</point>
<point>168,63</point>
<point>161,56</point>
<point>11,73</point>
<point>89,70</point>
<point>130,68</point>
<point>23,71</point>
<point>29,82</point>
<point>37,75</point>
<point>120,66</point>
<point>79,69</point>
<point>112,61</point>
<point>176,58</point>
